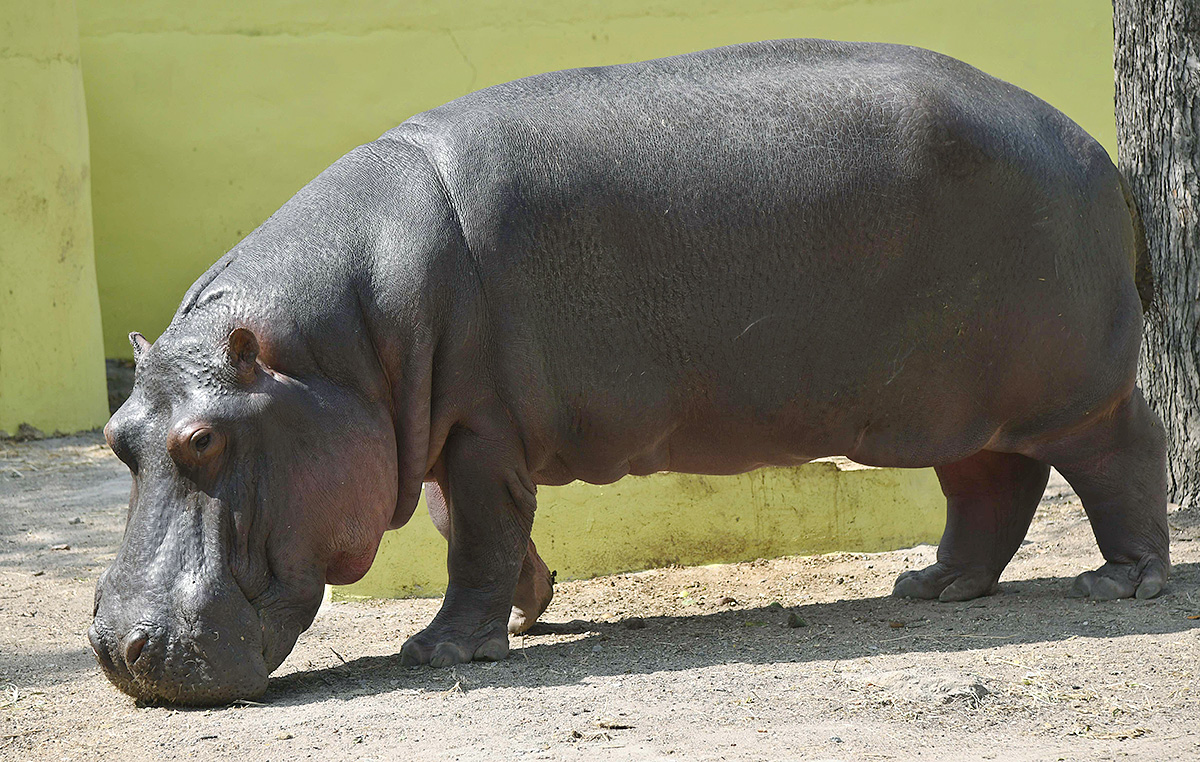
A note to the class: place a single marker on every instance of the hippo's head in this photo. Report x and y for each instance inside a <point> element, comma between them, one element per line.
<point>253,486</point>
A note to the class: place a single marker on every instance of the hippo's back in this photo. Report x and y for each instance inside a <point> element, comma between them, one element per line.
<point>764,114</point>
<point>802,234</point>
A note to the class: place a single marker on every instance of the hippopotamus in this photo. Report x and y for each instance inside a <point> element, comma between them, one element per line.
<point>752,256</point>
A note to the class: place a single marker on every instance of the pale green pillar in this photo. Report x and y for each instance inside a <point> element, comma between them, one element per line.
<point>51,351</point>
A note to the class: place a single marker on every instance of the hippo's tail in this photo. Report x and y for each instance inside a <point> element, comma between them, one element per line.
<point>1143,275</point>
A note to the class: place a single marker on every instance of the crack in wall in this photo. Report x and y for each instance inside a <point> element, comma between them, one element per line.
<point>6,54</point>
<point>465,59</point>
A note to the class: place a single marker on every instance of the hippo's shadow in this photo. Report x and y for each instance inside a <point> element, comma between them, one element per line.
<point>1026,611</point>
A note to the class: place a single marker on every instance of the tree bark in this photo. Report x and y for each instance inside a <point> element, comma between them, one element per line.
<point>1157,64</point>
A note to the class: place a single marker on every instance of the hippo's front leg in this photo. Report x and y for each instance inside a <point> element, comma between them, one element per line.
<point>535,584</point>
<point>491,502</point>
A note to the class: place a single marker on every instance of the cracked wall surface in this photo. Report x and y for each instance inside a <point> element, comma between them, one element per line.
<point>51,364</point>
<point>206,116</point>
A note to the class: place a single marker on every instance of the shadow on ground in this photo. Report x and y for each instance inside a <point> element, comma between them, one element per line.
<point>844,629</point>
<point>62,506</point>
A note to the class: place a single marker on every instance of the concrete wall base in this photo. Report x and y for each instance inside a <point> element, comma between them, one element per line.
<point>645,522</point>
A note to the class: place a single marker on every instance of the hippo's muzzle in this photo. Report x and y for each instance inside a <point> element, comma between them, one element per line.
<point>210,653</point>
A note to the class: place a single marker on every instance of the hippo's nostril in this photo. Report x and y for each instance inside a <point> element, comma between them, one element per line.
<point>133,644</point>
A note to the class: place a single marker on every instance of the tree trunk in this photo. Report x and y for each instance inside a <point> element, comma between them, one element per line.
<point>1157,63</point>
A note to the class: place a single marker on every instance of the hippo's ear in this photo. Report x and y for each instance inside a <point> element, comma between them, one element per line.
<point>243,353</point>
<point>140,347</point>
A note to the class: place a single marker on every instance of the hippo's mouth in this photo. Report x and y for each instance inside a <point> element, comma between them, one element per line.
<point>195,683</point>
<point>202,665</point>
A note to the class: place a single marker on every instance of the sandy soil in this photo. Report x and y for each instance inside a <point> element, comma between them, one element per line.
<point>684,663</point>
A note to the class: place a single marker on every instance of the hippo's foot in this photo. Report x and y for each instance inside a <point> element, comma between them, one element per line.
<point>1112,581</point>
<point>1117,466</point>
<point>439,645</point>
<point>990,500</point>
<point>946,583</point>
<point>535,588</point>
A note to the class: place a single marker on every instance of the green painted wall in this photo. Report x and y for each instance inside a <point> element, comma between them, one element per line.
<point>51,360</point>
<point>206,116</point>
<point>643,522</point>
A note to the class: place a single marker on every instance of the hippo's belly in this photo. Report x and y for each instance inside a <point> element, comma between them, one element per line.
<point>908,351</point>
<point>916,424</point>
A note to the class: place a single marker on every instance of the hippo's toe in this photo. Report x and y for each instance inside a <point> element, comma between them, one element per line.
<point>439,647</point>
<point>945,583</point>
<point>1112,581</point>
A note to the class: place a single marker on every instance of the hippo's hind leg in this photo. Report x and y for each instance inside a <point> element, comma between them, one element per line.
<point>990,500</point>
<point>490,502</point>
<point>535,585</point>
<point>1117,466</point>
<point>535,589</point>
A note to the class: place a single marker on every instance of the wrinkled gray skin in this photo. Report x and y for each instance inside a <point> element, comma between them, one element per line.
<point>751,256</point>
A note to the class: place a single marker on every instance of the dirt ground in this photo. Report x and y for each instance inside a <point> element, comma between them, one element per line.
<point>682,663</point>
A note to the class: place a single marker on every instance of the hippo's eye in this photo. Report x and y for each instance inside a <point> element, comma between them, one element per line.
<point>194,445</point>
<point>204,444</point>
